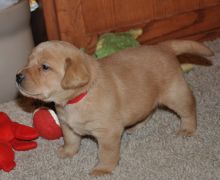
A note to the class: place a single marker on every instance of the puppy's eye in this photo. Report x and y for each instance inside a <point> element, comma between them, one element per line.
<point>45,67</point>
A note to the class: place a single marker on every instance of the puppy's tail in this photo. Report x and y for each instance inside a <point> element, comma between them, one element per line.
<point>187,47</point>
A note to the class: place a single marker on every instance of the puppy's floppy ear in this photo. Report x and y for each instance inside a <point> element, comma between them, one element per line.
<point>76,74</point>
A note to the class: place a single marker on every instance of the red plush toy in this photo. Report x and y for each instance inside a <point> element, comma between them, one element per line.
<point>47,124</point>
<point>14,136</point>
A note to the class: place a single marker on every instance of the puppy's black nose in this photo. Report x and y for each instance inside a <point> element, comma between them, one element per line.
<point>19,78</point>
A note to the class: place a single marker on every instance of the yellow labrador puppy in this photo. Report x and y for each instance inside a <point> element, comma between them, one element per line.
<point>102,98</point>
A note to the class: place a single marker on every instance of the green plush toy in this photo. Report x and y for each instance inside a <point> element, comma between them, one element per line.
<point>113,42</point>
<point>110,43</point>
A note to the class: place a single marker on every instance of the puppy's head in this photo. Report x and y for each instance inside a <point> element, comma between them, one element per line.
<point>54,71</point>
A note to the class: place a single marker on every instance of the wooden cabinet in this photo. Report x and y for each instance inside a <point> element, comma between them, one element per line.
<point>82,21</point>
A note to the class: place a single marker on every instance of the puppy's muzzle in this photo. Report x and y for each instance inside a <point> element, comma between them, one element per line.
<point>19,78</point>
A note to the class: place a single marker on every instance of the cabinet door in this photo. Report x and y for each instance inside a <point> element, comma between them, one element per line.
<point>81,21</point>
<point>105,15</point>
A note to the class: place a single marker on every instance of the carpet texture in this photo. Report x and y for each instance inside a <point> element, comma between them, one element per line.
<point>150,153</point>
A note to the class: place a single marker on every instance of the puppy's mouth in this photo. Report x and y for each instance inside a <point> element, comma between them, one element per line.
<point>28,93</point>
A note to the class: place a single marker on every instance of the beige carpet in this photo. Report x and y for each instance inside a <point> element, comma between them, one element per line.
<point>153,152</point>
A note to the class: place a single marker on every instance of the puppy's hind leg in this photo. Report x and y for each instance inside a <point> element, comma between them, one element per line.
<point>109,150</point>
<point>180,99</point>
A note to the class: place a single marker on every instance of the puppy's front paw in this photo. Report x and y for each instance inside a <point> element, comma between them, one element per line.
<point>185,132</point>
<point>100,171</point>
<point>66,151</point>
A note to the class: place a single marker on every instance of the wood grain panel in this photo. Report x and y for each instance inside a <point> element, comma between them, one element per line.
<point>184,25</point>
<point>50,19</point>
<point>106,15</point>
<point>133,12</point>
<point>81,21</point>
<point>71,24</point>
<point>98,14</point>
<point>204,36</point>
<point>166,8</point>
<point>205,3</point>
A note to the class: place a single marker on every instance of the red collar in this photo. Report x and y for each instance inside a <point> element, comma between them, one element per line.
<point>77,98</point>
